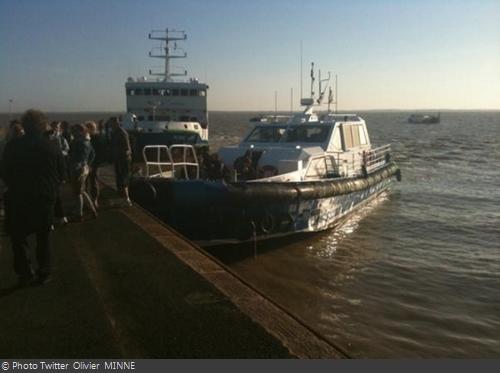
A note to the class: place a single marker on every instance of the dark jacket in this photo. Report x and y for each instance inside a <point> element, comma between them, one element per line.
<point>81,154</point>
<point>120,145</point>
<point>32,169</point>
<point>100,146</point>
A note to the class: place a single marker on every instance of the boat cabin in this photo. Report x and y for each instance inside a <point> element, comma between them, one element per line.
<point>331,147</point>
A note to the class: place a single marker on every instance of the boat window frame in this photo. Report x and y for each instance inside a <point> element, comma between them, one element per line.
<point>273,139</point>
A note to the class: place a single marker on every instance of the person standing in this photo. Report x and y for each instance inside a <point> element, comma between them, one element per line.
<point>122,157</point>
<point>31,167</point>
<point>54,135</point>
<point>98,143</point>
<point>81,155</point>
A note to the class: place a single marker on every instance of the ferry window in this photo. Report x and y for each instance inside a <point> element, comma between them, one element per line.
<point>147,91</point>
<point>203,93</point>
<point>184,92</point>
<point>193,92</point>
<point>155,92</point>
<point>130,92</point>
<point>307,133</point>
<point>138,92</point>
<point>165,92</point>
<point>266,134</point>
<point>175,92</point>
<point>184,118</point>
<point>140,118</point>
<point>193,119</point>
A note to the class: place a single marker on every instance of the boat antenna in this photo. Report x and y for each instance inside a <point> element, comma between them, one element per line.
<point>291,100</point>
<point>301,68</point>
<point>167,36</point>
<point>336,95</point>
<point>275,104</point>
<point>312,80</point>
<point>322,92</point>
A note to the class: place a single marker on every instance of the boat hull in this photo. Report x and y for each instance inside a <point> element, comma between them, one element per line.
<point>212,213</point>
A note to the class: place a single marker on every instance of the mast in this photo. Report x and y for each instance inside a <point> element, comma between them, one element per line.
<point>167,36</point>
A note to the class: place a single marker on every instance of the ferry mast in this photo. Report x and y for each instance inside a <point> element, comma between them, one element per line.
<point>167,36</point>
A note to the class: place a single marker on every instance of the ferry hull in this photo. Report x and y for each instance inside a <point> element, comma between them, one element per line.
<point>212,213</point>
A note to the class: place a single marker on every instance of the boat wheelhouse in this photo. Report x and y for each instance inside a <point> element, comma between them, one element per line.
<point>158,108</point>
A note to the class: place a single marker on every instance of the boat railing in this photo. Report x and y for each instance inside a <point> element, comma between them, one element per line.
<point>166,160</point>
<point>375,158</point>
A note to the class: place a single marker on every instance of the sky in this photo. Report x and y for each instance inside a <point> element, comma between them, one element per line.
<point>75,55</point>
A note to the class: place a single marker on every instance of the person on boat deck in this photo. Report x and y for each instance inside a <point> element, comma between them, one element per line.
<point>98,143</point>
<point>81,155</point>
<point>122,156</point>
<point>244,167</point>
<point>31,170</point>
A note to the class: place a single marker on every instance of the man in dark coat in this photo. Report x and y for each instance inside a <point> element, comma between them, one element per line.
<point>122,157</point>
<point>32,170</point>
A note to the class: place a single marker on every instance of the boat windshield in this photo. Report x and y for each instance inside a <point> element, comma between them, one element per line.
<point>307,133</point>
<point>266,134</point>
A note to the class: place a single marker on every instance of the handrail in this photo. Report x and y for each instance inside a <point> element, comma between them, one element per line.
<point>168,151</point>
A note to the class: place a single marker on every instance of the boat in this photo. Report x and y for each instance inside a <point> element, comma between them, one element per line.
<point>166,111</point>
<point>424,118</point>
<point>284,178</point>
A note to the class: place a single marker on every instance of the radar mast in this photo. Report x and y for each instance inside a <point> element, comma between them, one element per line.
<point>167,36</point>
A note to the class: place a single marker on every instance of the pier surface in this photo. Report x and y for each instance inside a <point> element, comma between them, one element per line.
<point>127,286</point>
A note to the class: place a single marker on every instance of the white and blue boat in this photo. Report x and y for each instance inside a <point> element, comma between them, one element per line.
<point>285,177</point>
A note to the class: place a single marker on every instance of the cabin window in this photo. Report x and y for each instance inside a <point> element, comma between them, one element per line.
<point>307,133</point>
<point>140,118</point>
<point>193,119</point>
<point>165,92</point>
<point>337,142</point>
<point>362,136</point>
<point>175,92</point>
<point>147,91</point>
<point>150,117</point>
<point>203,93</point>
<point>184,118</point>
<point>155,92</point>
<point>266,134</point>
<point>351,136</point>
<point>317,169</point>
<point>184,92</point>
<point>138,92</point>
<point>130,92</point>
<point>193,92</point>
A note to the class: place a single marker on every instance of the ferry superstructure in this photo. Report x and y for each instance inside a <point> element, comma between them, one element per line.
<point>166,110</point>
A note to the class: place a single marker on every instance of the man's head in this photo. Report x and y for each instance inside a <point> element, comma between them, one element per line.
<point>114,123</point>
<point>91,127</point>
<point>34,122</point>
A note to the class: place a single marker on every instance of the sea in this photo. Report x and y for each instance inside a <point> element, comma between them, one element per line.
<point>416,273</point>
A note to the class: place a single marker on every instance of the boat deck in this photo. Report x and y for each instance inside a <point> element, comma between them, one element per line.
<point>125,285</point>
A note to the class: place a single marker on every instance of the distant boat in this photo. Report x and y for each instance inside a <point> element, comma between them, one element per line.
<point>424,118</point>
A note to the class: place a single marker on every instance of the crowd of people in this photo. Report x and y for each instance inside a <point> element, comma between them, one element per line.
<point>36,158</point>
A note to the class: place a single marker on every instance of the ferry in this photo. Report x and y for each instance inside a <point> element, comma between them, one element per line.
<point>166,111</point>
<point>302,175</point>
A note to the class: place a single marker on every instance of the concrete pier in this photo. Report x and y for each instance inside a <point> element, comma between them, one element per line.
<point>125,285</point>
